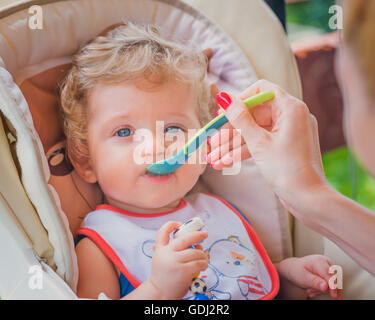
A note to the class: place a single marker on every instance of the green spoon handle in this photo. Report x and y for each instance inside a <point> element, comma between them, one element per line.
<point>221,119</point>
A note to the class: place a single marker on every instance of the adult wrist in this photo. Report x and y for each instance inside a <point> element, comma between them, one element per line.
<point>310,203</point>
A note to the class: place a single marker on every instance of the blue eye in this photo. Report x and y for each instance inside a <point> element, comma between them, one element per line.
<point>173,129</point>
<point>124,132</point>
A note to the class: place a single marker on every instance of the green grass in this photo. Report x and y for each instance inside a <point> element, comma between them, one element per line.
<point>312,13</point>
<point>348,177</point>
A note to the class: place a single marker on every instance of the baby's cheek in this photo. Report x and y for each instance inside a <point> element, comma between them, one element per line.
<point>189,175</point>
<point>115,172</point>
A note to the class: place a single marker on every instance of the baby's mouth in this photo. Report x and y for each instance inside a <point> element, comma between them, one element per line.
<point>157,177</point>
<point>147,173</point>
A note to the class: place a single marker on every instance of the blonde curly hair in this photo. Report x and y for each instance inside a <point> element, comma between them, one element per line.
<point>128,53</point>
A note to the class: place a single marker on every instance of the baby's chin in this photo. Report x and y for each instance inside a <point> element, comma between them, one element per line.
<point>158,193</point>
<point>160,207</point>
<point>153,204</point>
<point>162,200</point>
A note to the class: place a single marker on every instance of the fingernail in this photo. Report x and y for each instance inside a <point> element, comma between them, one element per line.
<point>215,163</point>
<point>223,99</point>
<point>208,141</point>
<point>322,286</point>
<point>217,112</point>
<point>227,159</point>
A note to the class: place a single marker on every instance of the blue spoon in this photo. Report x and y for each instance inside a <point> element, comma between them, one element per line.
<point>171,164</point>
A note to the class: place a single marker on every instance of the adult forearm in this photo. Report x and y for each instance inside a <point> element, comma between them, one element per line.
<point>343,221</point>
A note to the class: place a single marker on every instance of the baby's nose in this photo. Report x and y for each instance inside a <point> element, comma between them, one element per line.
<point>150,147</point>
<point>158,147</point>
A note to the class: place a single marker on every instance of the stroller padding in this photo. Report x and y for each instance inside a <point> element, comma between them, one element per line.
<point>34,174</point>
<point>18,202</point>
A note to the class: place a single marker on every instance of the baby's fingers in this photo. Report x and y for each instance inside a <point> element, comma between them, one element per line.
<point>312,293</point>
<point>320,266</point>
<point>313,282</point>
<point>334,293</point>
<point>196,266</point>
<point>188,240</point>
<point>191,255</point>
<point>198,246</point>
<point>340,294</point>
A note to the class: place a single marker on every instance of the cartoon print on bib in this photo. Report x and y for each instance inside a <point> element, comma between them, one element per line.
<point>231,266</point>
<point>235,264</point>
<point>148,248</point>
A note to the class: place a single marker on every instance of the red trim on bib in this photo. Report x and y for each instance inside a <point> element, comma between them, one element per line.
<point>109,252</point>
<point>262,251</point>
<point>181,205</point>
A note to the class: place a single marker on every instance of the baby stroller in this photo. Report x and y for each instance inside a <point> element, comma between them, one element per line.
<point>37,185</point>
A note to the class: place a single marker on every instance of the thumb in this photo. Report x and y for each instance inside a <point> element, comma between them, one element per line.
<point>240,118</point>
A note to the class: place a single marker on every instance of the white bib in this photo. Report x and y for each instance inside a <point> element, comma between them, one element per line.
<point>239,267</point>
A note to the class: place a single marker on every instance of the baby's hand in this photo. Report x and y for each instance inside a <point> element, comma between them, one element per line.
<point>174,264</point>
<point>310,273</point>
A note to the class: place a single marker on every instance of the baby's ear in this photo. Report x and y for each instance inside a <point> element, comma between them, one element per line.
<point>84,168</point>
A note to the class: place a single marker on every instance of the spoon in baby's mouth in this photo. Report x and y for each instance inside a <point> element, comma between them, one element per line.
<point>171,164</point>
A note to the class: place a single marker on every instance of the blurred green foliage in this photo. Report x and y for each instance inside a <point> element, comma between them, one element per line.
<point>313,13</point>
<point>349,178</point>
<point>343,171</point>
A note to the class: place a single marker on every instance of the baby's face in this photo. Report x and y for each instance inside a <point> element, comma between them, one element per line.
<point>116,112</point>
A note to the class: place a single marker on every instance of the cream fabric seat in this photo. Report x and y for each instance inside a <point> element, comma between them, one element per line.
<point>248,44</point>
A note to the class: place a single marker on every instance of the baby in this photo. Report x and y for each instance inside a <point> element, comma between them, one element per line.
<point>131,80</point>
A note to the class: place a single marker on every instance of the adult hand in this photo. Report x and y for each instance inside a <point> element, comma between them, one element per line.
<point>281,136</point>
